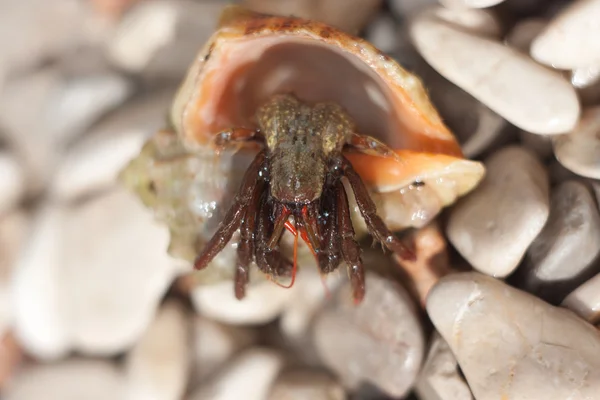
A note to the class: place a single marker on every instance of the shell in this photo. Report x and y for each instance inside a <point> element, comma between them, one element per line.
<point>252,56</point>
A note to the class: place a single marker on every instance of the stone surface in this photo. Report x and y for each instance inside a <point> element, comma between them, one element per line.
<point>215,344</point>
<point>348,15</point>
<point>306,385</point>
<point>478,21</point>
<point>579,150</point>
<point>494,239</point>
<point>248,377</point>
<point>525,93</point>
<point>44,110</point>
<point>382,341</point>
<point>14,229</point>
<point>68,380</point>
<point>570,39</point>
<point>94,162</point>
<point>439,378</point>
<point>264,301</point>
<point>158,366</point>
<point>585,300</point>
<point>470,3</point>
<point>91,277</point>
<point>432,261</point>
<point>512,345</point>
<point>160,38</point>
<point>562,256</point>
<point>524,32</point>
<point>586,76</point>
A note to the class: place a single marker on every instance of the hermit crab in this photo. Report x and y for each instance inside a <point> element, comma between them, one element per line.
<point>335,130</point>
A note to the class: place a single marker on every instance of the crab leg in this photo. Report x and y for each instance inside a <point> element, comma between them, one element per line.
<point>246,246</point>
<point>270,262</point>
<point>234,136</point>
<point>234,216</point>
<point>369,212</point>
<point>329,257</point>
<point>371,146</point>
<point>349,247</point>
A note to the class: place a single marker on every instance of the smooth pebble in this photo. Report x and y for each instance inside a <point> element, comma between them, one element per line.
<point>382,341</point>
<point>512,345</point>
<point>158,366</point>
<point>12,182</point>
<point>585,300</point>
<point>579,151</point>
<point>570,40</point>
<point>478,21</point>
<point>470,3</point>
<point>495,239</point>
<point>586,76</point>
<point>92,277</point>
<point>525,93</point>
<point>249,376</point>
<point>562,256</point>
<point>524,32</point>
<point>439,378</point>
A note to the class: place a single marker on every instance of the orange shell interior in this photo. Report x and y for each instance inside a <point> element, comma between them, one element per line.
<point>252,56</point>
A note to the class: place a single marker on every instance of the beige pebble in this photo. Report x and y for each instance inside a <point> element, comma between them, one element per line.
<point>248,377</point>
<point>586,76</point>
<point>470,3</point>
<point>524,32</point>
<point>579,151</point>
<point>306,385</point>
<point>478,21</point>
<point>215,344</point>
<point>564,253</point>
<point>525,93</point>
<point>439,378</point>
<point>264,301</point>
<point>379,341</point>
<point>92,277</point>
<point>512,345</point>
<point>158,366</point>
<point>494,239</point>
<point>12,182</point>
<point>68,380</point>
<point>585,300</point>
<point>570,40</point>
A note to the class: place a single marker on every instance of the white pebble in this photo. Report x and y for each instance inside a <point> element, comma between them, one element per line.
<point>512,345</point>
<point>12,182</point>
<point>525,93</point>
<point>158,366</point>
<point>470,3</point>
<point>585,300</point>
<point>493,226</point>
<point>249,377</point>
<point>570,40</point>
<point>524,32</point>
<point>579,151</point>
<point>586,76</point>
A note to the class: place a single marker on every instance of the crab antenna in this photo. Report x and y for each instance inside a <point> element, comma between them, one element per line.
<point>294,232</point>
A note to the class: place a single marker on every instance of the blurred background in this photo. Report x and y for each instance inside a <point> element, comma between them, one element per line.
<point>91,305</point>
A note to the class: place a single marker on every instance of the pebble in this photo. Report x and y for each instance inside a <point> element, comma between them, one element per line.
<point>81,284</point>
<point>585,300</point>
<point>584,77</point>
<point>495,239</point>
<point>478,21</point>
<point>432,261</point>
<point>512,345</point>
<point>579,151</point>
<point>470,3</point>
<point>248,377</point>
<point>68,380</point>
<point>93,163</point>
<point>306,385</point>
<point>263,303</point>
<point>409,8</point>
<point>383,33</point>
<point>570,39</point>
<point>14,229</point>
<point>59,109</point>
<point>215,344</point>
<point>347,15</point>
<point>382,341</point>
<point>158,366</point>
<point>11,357</point>
<point>161,38</point>
<point>525,93</point>
<point>439,378</point>
<point>524,32</point>
<point>562,256</point>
